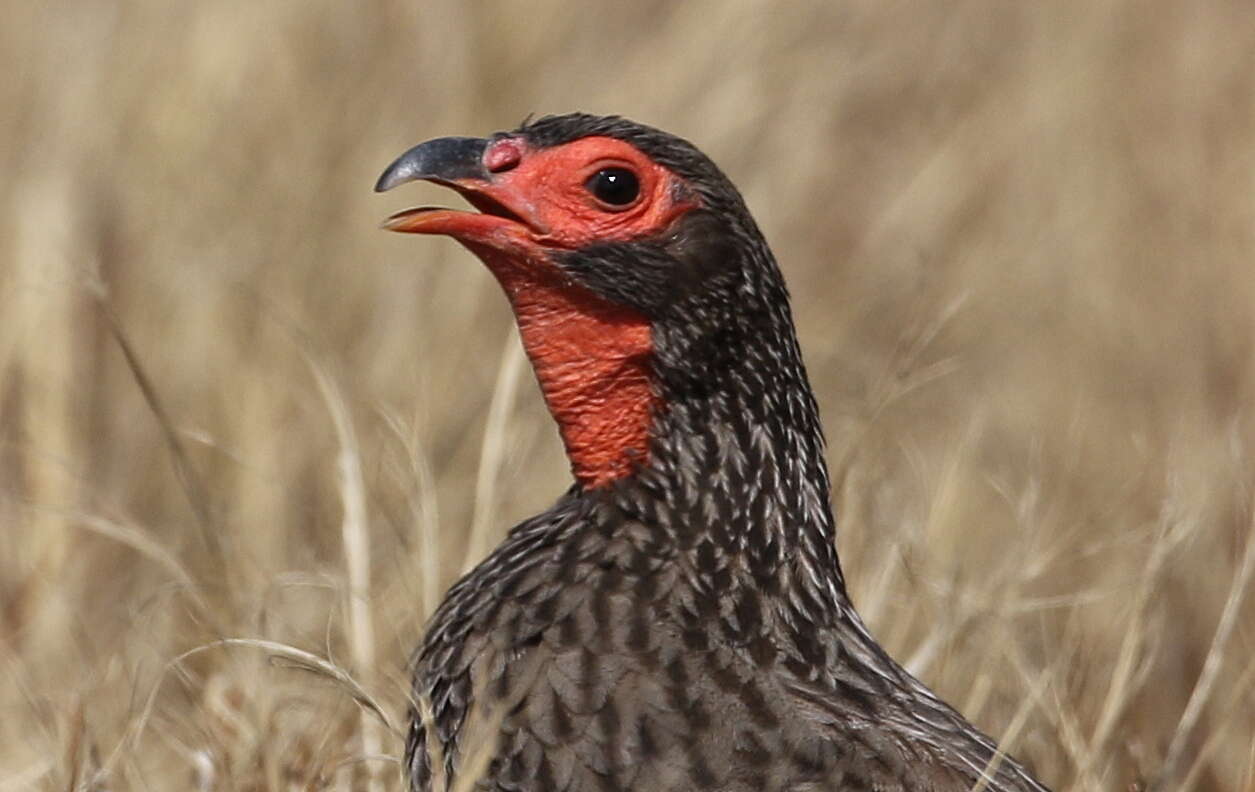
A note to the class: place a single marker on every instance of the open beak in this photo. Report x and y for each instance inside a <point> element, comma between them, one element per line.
<point>443,160</point>
<point>458,162</point>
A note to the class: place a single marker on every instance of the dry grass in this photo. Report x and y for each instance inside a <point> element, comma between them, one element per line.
<point>1021,237</point>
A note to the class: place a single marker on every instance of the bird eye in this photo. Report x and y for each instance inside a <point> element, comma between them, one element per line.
<point>617,187</point>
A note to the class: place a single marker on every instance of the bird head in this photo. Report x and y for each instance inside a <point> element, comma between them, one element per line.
<point>635,272</point>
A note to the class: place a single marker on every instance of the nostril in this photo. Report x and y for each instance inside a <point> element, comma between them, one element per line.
<point>503,155</point>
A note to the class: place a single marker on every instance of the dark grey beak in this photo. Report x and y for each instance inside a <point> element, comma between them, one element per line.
<point>442,160</point>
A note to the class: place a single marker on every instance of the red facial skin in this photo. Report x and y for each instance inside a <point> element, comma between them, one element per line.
<point>591,356</point>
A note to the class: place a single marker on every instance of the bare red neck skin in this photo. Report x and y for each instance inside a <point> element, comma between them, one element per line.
<point>592,360</point>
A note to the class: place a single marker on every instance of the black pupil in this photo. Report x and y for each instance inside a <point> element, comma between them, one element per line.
<point>615,186</point>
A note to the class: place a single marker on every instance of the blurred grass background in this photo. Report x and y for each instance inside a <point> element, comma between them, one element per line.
<point>1020,242</point>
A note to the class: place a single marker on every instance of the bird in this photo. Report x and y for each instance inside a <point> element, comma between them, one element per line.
<point>678,618</point>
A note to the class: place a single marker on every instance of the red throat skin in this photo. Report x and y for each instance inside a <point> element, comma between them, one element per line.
<point>592,360</point>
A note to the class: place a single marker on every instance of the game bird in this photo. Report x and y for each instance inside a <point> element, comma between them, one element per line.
<point>678,619</point>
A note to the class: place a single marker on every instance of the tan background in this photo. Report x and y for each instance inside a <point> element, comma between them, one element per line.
<point>1020,238</point>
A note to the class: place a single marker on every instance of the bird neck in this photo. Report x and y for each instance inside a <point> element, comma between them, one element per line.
<point>698,419</point>
<point>736,459</point>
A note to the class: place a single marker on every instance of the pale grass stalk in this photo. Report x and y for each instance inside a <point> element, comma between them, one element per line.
<point>46,241</point>
<point>901,376</point>
<point>1013,730</point>
<point>1036,558</point>
<point>481,730</point>
<point>878,594</point>
<point>958,617</point>
<point>891,386</point>
<point>356,760</point>
<point>1238,696</point>
<point>200,760</point>
<point>476,763</point>
<point>1123,683</point>
<point>435,751</point>
<point>1000,598</point>
<point>922,658</point>
<point>479,746</point>
<point>978,694</point>
<point>299,658</point>
<point>492,451</point>
<point>479,743</point>
<point>203,773</point>
<point>1068,727</point>
<point>1248,776</point>
<point>908,376</point>
<point>28,777</point>
<point>189,479</point>
<point>425,508</point>
<point>1206,682</point>
<point>1072,600</point>
<point>40,730</point>
<point>938,507</point>
<point>140,541</point>
<point>941,506</point>
<point>355,535</point>
<point>72,755</point>
<point>1065,723</point>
